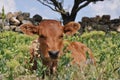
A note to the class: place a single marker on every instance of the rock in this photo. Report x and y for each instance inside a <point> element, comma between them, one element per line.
<point>17,29</point>
<point>86,19</point>
<point>5,22</point>
<point>36,19</point>
<point>112,27</point>
<point>81,30</point>
<point>95,19</point>
<point>7,28</point>
<point>115,27</point>
<point>26,16</point>
<point>9,15</point>
<point>17,13</point>
<point>20,17</point>
<point>26,22</point>
<point>106,18</point>
<point>23,16</point>
<point>115,21</point>
<point>118,28</point>
<point>14,21</point>
<point>104,28</point>
<point>12,27</point>
<point>89,28</point>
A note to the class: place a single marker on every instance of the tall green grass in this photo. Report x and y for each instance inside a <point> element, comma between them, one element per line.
<point>14,54</point>
<point>14,58</point>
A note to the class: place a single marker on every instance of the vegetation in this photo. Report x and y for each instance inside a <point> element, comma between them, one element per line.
<point>14,58</point>
<point>3,18</point>
<point>67,16</point>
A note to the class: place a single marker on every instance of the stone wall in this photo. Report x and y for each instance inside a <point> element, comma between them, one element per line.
<point>14,20</point>
<point>100,23</point>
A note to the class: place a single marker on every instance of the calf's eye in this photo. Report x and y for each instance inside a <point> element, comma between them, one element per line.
<point>61,36</point>
<point>42,36</point>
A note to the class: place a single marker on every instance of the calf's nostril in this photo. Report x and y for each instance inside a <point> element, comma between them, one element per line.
<point>53,54</point>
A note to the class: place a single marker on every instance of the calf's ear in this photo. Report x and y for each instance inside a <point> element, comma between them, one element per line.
<point>71,28</point>
<point>29,29</point>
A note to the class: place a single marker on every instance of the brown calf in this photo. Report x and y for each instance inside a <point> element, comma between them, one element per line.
<point>50,43</point>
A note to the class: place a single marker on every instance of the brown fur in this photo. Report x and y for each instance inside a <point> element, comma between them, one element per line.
<point>79,51</point>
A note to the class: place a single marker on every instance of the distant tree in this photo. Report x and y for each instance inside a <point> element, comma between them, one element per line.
<point>57,6</point>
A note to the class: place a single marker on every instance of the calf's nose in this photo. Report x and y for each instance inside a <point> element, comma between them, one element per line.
<point>53,54</point>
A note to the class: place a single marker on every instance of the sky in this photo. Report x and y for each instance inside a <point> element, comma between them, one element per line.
<point>107,7</point>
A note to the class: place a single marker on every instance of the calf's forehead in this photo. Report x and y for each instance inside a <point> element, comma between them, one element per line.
<point>49,27</point>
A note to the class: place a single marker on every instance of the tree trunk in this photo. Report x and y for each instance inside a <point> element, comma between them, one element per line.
<point>67,18</point>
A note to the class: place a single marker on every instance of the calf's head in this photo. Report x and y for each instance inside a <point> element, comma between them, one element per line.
<point>50,34</point>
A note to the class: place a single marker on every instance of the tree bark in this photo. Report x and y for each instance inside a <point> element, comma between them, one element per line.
<point>67,18</point>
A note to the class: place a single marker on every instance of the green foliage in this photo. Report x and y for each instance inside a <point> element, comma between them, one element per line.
<point>14,53</point>
<point>3,13</point>
<point>14,58</point>
<point>3,18</point>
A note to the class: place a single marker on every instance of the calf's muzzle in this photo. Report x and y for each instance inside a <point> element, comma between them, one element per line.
<point>53,54</point>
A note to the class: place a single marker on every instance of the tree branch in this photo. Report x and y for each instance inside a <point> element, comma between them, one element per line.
<point>76,6</point>
<point>57,5</point>
<point>86,3</point>
<point>79,4</point>
<point>46,5</point>
<point>83,5</point>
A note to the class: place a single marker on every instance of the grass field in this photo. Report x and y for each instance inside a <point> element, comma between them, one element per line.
<point>14,58</point>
